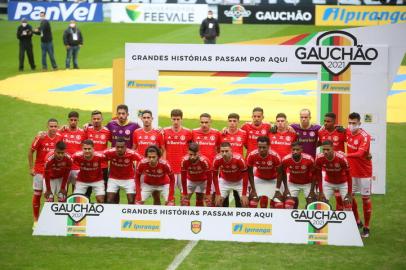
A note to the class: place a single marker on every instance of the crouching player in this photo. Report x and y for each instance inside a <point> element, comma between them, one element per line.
<point>233,175</point>
<point>196,177</point>
<point>56,172</point>
<point>301,168</point>
<point>264,168</point>
<point>155,172</point>
<point>122,173</point>
<point>338,176</point>
<point>90,171</point>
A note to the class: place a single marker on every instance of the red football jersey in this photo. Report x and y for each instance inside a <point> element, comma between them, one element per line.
<point>281,142</point>
<point>89,170</point>
<point>57,168</point>
<point>156,176</point>
<point>266,168</point>
<point>238,140</point>
<point>338,138</point>
<point>358,148</point>
<point>73,140</point>
<point>142,139</point>
<point>232,170</point>
<point>100,139</point>
<point>253,132</point>
<point>336,169</point>
<point>300,172</point>
<point>42,146</point>
<point>197,171</point>
<point>208,142</point>
<point>176,146</point>
<point>122,167</point>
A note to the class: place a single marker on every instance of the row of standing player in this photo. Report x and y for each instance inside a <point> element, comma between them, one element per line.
<point>173,141</point>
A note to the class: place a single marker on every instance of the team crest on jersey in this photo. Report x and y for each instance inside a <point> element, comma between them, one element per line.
<point>263,132</point>
<point>337,165</point>
<point>95,164</point>
<point>288,138</point>
<point>355,142</point>
<point>126,160</point>
<point>127,132</point>
<point>304,167</point>
<point>212,138</point>
<point>153,137</point>
<point>335,138</point>
<point>182,138</point>
<point>159,171</point>
<point>196,226</point>
<point>312,133</point>
<point>269,162</point>
<point>102,136</point>
<point>239,139</point>
<point>233,166</point>
<point>78,137</point>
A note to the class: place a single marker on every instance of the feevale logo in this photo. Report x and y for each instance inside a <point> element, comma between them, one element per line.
<point>318,214</point>
<point>336,59</point>
<point>141,84</point>
<point>196,226</point>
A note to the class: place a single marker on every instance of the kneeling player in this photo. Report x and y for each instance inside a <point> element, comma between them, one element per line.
<point>122,173</point>
<point>264,167</point>
<point>90,171</point>
<point>196,176</point>
<point>155,172</point>
<point>57,167</point>
<point>300,167</point>
<point>337,174</point>
<point>233,174</point>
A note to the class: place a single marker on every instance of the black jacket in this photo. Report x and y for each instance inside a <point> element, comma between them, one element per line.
<point>45,29</point>
<point>68,37</point>
<point>24,38</point>
<point>209,28</point>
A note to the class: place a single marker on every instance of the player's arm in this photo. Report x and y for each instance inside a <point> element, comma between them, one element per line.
<point>138,186</point>
<point>252,182</point>
<point>183,176</point>
<point>209,176</point>
<point>171,198</point>
<point>244,198</point>
<point>135,141</point>
<point>312,193</point>
<point>31,161</point>
<point>319,179</point>
<point>284,180</point>
<point>47,178</point>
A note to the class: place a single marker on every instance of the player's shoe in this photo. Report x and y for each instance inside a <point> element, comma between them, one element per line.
<point>34,225</point>
<point>360,225</point>
<point>365,232</point>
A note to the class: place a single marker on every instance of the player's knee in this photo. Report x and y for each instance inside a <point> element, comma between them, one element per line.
<point>253,203</point>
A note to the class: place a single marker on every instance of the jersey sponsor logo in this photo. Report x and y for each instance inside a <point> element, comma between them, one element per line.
<point>128,225</point>
<point>196,226</point>
<point>252,228</point>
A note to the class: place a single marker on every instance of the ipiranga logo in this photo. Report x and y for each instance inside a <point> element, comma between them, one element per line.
<point>144,84</point>
<point>252,228</point>
<point>140,225</point>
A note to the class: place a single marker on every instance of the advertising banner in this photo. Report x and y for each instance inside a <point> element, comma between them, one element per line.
<point>316,225</point>
<point>156,13</point>
<point>54,11</point>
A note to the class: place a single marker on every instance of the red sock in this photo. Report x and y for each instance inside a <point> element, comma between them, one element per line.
<point>339,201</point>
<point>253,204</point>
<point>263,202</point>
<point>36,203</point>
<point>199,202</point>
<point>367,206</point>
<point>355,210</point>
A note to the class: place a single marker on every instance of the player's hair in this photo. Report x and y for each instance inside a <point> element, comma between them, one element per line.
<point>258,109</point>
<point>88,142</point>
<point>52,120</point>
<point>355,115</point>
<point>95,112</point>
<point>331,115</point>
<point>73,114</point>
<point>194,147</point>
<point>120,140</point>
<point>177,112</point>
<point>122,107</point>
<point>327,142</point>
<point>153,149</point>
<point>281,115</point>
<point>205,115</point>
<point>234,116</point>
<point>42,12</point>
<point>146,111</point>
<point>225,144</point>
<point>60,146</point>
<point>306,110</point>
<point>264,139</point>
<point>297,143</point>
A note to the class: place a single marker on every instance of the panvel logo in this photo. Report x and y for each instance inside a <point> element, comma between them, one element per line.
<point>318,214</point>
<point>336,58</point>
<point>140,225</point>
<point>144,84</point>
<point>237,12</point>
<point>335,87</point>
<point>252,228</point>
<point>196,226</point>
<point>77,207</point>
<point>132,12</point>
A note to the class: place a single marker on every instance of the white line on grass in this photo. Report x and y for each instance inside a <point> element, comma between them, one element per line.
<point>182,255</point>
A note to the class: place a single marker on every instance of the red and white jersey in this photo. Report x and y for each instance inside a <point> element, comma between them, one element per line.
<point>42,146</point>
<point>238,140</point>
<point>281,142</point>
<point>231,170</point>
<point>265,167</point>
<point>338,138</point>
<point>208,142</point>
<point>89,169</point>
<point>73,140</point>
<point>198,170</point>
<point>300,172</point>
<point>54,168</point>
<point>100,139</point>
<point>176,146</point>
<point>336,169</point>
<point>122,167</point>
<point>360,166</point>
<point>142,139</point>
<point>157,175</point>
<point>253,132</point>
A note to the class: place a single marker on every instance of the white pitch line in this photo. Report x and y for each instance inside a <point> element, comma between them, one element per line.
<point>182,255</point>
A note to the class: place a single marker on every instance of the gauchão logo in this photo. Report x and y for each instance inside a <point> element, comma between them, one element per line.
<point>77,208</point>
<point>336,58</point>
<point>318,214</point>
<point>236,12</point>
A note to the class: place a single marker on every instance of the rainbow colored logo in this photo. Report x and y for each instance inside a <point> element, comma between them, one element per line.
<point>132,12</point>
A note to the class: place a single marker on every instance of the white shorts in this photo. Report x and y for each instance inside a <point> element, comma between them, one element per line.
<point>97,187</point>
<point>113,185</point>
<point>265,187</point>
<point>361,185</point>
<point>329,189</point>
<point>198,187</point>
<point>55,185</point>
<point>38,182</point>
<point>295,189</point>
<point>146,191</point>
<point>73,175</point>
<point>226,187</point>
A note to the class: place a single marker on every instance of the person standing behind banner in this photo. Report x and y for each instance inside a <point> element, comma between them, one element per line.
<point>209,29</point>
<point>73,40</point>
<point>24,35</point>
<point>44,30</point>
